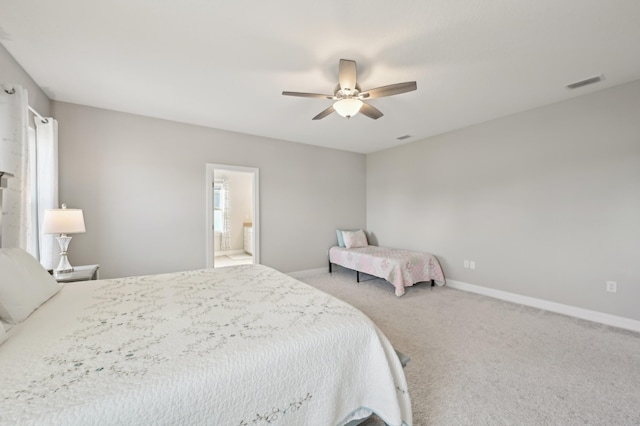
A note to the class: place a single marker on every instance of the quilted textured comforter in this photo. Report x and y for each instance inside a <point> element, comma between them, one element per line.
<point>241,345</point>
<point>402,268</point>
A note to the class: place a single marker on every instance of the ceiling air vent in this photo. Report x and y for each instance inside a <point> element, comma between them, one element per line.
<point>403,137</point>
<point>586,82</point>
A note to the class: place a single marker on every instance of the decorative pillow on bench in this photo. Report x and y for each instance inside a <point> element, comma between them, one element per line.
<point>354,239</point>
<point>340,237</point>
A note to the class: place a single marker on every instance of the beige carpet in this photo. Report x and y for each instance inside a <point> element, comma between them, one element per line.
<point>481,361</point>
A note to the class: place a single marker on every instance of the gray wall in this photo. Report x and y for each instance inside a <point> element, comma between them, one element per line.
<point>141,183</point>
<point>546,202</point>
<point>12,72</point>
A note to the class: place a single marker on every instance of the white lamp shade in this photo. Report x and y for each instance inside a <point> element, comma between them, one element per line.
<point>63,221</point>
<point>348,107</point>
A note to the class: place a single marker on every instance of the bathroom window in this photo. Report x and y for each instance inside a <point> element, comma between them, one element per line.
<point>219,195</point>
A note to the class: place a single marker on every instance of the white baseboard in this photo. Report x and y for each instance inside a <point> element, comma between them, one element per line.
<point>586,314</point>
<point>308,273</point>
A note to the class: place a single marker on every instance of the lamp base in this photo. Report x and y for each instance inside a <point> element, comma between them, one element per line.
<point>64,267</point>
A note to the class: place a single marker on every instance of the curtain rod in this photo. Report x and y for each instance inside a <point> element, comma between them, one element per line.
<point>42,119</point>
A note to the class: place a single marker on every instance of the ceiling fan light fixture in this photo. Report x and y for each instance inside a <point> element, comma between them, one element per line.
<point>348,107</point>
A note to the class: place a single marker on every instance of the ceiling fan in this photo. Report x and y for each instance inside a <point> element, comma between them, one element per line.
<point>349,96</point>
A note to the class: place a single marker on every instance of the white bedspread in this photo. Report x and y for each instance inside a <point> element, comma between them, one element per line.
<point>241,345</point>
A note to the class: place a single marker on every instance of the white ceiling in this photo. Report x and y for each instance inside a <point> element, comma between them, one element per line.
<point>225,64</point>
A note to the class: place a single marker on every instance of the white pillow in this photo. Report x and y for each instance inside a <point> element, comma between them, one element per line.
<point>3,334</point>
<point>354,239</point>
<point>24,285</point>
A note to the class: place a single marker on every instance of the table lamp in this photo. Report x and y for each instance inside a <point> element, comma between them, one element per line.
<point>63,221</point>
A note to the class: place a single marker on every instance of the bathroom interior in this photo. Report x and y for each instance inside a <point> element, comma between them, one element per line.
<point>232,218</point>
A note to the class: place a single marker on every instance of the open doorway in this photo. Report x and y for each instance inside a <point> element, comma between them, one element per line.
<point>232,215</point>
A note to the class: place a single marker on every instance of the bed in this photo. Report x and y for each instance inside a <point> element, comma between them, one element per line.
<point>402,268</point>
<point>240,345</point>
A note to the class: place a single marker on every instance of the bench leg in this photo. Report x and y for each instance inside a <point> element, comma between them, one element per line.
<point>357,276</point>
<point>330,271</point>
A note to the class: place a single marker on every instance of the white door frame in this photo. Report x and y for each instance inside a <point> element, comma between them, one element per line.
<point>210,173</point>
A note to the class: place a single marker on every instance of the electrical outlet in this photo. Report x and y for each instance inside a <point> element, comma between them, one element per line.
<point>466,264</point>
<point>612,287</point>
<point>472,264</point>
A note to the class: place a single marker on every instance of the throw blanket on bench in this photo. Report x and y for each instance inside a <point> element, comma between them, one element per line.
<point>402,268</point>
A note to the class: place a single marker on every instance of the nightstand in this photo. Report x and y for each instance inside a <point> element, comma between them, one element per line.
<point>80,273</point>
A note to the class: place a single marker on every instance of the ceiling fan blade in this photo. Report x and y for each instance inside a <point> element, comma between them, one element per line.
<point>390,90</point>
<point>347,75</point>
<point>370,111</point>
<point>308,95</point>
<point>324,113</point>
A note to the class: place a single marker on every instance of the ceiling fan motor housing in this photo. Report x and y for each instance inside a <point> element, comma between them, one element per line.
<point>347,93</point>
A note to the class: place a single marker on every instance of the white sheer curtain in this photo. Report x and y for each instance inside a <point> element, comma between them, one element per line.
<point>47,185</point>
<point>14,159</point>
<point>32,157</point>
